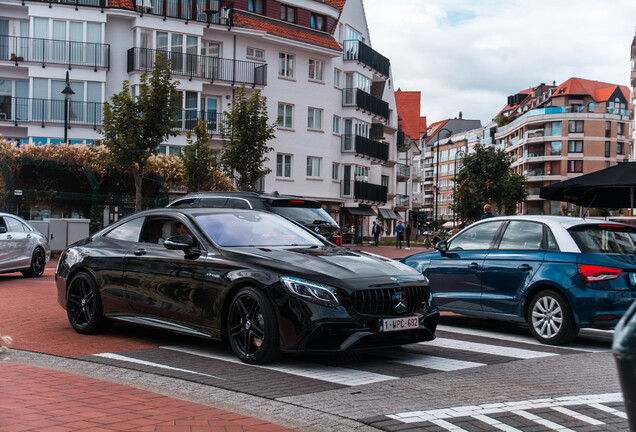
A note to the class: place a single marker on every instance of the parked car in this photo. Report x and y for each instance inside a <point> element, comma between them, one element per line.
<point>558,274</point>
<point>22,247</point>
<point>256,279</point>
<point>305,211</point>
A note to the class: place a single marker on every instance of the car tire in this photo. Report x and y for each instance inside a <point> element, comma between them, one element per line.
<point>84,305</point>
<point>550,318</point>
<point>38,262</point>
<point>252,327</point>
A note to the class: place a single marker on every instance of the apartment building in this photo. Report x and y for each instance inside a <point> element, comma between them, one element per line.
<point>330,94</point>
<point>556,132</point>
<point>633,84</point>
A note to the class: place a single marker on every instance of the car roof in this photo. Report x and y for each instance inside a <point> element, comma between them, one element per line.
<point>242,194</point>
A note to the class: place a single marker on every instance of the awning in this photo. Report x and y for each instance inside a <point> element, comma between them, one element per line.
<point>361,211</point>
<point>388,214</point>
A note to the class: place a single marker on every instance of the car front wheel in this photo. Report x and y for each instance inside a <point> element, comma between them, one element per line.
<point>38,261</point>
<point>84,305</point>
<point>252,327</point>
<point>550,319</point>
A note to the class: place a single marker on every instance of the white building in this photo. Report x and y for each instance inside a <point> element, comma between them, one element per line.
<point>329,91</point>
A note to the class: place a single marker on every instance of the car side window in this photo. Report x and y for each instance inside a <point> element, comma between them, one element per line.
<point>238,203</point>
<point>522,235</point>
<point>14,225</point>
<point>551,242</point>
<point>476,238</point>
<point>189,202</point>
<point>128,231</point>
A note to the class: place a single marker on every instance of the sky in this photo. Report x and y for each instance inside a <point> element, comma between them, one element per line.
<point>469,55</point>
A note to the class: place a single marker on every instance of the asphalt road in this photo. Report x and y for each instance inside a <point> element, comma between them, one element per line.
<point>478,374</point>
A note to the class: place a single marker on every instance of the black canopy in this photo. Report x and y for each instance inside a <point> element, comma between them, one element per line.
<point>611,188</point>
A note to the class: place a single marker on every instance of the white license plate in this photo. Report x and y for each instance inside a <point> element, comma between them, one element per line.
<point>397,324</point>
<point>632,278</point>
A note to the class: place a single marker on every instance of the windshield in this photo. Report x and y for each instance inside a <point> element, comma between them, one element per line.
<point>609,239</point>
<point>306,216</point>
<point>254,229</point>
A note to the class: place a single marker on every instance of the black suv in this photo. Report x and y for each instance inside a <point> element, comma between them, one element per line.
<point>304,211</point>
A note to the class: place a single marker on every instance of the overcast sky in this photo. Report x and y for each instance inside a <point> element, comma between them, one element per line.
<point>469,55</point>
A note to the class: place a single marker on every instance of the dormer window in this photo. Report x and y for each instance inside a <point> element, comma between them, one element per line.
<point>288,13</point>
<point>255,6</point>
<point>317,21</point>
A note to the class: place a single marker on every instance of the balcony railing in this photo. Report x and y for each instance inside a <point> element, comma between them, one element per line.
<point>197,66</point>
<point>365,146</point>
<point>402,201</point>
<point>377,131</point>
<point>43,111</point>
<point>363,100</point>
<point>187,120</point>
<point>54,52</point>
<point>358,50</point>
<point>403,170</point>
<point>536,133</point>
<point>403,141</point>
<point>363,191</point>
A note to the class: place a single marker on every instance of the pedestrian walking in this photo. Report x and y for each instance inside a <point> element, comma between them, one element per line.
<point>399,232</point>
<point>407,233</point>
<point>376,233</point>
<point>487,212</point>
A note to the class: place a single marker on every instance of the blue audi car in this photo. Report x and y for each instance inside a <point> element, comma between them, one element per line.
<point>556,273</point>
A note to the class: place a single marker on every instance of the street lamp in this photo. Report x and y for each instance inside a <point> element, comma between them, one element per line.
<point>437,172</point>
<point>455,184</point>
<point>67,92</point>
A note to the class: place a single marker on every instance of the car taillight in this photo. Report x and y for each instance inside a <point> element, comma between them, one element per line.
<point>592,273</point>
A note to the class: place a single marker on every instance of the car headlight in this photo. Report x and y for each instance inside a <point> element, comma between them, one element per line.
<point>312,291</point>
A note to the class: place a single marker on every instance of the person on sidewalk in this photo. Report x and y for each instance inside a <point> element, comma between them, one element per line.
<point>407,233</point>
<point>376,233</point>
<point>399,232</point>
<point>487,212</point>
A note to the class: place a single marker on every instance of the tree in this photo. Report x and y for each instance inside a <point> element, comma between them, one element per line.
<point>245,132</point>
<point>200,163</point>
<point>485,177</point>
<point>134,128</point>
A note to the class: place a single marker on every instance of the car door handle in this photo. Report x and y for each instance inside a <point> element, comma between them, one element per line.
<point>9,237</point>
<point>28,235</point>
<point>140,252</point>
<point>473,266</point>
<point>525,267</point>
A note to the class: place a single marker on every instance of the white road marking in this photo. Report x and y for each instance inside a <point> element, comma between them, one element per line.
<point>448,426</point>
<point>429,362</point>
<point>487,348</point>
<point>543,422</point>
<point>609,410</point>
<point>579,416</point>
<point>495,423</point>
<point>337,375</point>
<point>147,363</point>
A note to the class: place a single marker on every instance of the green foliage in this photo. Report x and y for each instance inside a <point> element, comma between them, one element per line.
<point>245,132</point>
<point>485,177</point>
<point>134,128</point>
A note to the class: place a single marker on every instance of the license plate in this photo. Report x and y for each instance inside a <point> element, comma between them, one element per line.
<point>632,278</point>
<point>397,324</point>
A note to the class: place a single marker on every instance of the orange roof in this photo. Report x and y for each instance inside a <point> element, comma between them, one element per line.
<point>338,4</point>
<point>408,106</point>
<point>423,127</point>
<point>599,91</point>
<point>435,127</point>
<point>288,31</point>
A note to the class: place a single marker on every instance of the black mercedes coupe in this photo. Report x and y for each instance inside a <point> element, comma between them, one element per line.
<point>256,279</point>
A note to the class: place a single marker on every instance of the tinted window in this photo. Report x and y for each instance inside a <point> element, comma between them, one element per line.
<point>522,235</point>
<point>605,238</point>
<point>189,202</point>
<point>212,202</point>
<point>238,203</point>
<point>307,216</point>
<point>254,229</point>
<point>14,225</point>
<point>477,237</point>
<point>128,231</point>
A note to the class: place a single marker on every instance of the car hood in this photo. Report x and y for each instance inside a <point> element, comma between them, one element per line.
<point>331,262</point>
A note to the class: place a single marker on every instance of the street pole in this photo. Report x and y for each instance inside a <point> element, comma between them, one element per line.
<point>67,92</point>
<point>437,174</point>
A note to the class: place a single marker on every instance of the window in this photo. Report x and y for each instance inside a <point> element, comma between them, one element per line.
<point>255,6</point>
<point>288,13</point>
<point>336,77</point>
<point>608,129</point>
<point>476,238</point>
<point>619,148</point>
<point>521,235</point>
<point>619,129</point>
<point>575,146</point>
<point>285,115</point>
<point>313,166</point>
<point>256,53</point>
<point>128,231</point>
<point>607,149</point>
<point>314,118</point>
<point>286,65</point>
<point>317,21</point>
<point>336,125</point>
<point>362,173</point>
<point>283,165</point>
<point>384,181</point>
<point>315,70</point>
<point>575,126</point>
<point>335,168</point>
<point>575,166</point>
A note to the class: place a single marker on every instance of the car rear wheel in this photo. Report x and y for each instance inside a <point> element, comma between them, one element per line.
<point>84,305</point>
<point>38,261</point>
<point>550,319</point>
<point>252,327</point>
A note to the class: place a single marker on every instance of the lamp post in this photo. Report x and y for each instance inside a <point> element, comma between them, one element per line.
<point>455,185</point>
<point>437,173</point>
<point>67,92</point>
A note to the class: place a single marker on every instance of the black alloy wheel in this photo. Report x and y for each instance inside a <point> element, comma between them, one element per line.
<point>84,305</point>
<point>38,261</point>
<point>550,318</point>
<point>252,327</point>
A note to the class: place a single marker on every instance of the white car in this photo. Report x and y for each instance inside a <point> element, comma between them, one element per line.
<point>22,247</point>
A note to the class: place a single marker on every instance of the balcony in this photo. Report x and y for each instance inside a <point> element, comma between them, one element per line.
<point>46,111</point>
<point>377,131</point>
<point>363,146</point>
<point>187,120</point>
<point>362,191</point>
<point>365,101</point>
<point>402,172</point>
<point>402,202</point>
<point>536,133</point>
<point>54,52</point>
<point>359,51</point>
<point>196,66</point>
<point>403,141</point>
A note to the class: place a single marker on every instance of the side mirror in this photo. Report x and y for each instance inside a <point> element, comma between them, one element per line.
<point>3,230</point>
<point>179,242</point>
<point>442,247</point>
